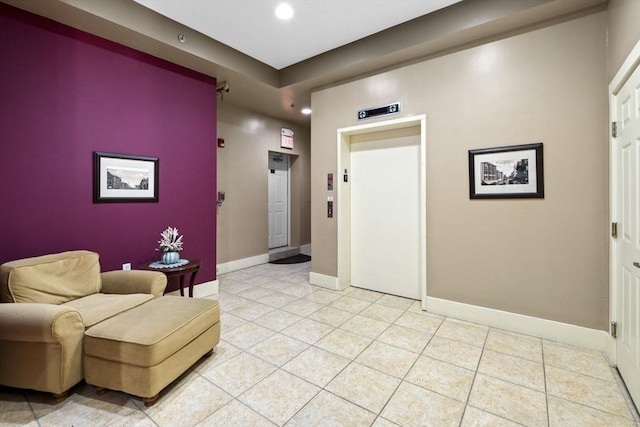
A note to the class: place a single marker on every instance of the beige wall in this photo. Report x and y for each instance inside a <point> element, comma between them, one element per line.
<point>544,258</point>
<point>242,174</point>
<point>623,32</point>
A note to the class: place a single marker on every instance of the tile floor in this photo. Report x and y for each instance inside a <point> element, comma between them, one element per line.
<point>298,355</point>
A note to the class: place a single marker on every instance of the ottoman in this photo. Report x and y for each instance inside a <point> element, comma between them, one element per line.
<point>144,349</point>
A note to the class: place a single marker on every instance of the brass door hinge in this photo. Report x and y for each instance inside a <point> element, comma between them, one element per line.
<point>614,330</point>
<point>614,230</point>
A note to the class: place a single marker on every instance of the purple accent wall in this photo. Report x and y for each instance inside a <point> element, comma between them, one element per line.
<point>65,94</point>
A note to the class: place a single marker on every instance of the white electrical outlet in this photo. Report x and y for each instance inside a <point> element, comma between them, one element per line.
<point>126,266</point>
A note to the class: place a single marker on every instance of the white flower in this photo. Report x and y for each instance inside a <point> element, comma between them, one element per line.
<point>170,241</point>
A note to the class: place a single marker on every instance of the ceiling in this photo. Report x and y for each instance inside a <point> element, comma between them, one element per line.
<point>272,67</point>
<point>317,26</point>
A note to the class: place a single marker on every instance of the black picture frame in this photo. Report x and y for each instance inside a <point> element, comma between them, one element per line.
<point>124,178</point>
<point>511,172</point>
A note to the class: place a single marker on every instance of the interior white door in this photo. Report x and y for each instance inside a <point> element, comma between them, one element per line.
<point>627,110</point>
<point>385,212</point>
<point>278,209</point>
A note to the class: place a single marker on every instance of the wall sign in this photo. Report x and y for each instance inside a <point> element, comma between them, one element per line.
<point>379,111</point>
<point>286,138</point>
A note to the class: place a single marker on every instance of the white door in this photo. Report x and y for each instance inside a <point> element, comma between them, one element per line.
<point>278,200</point>
<point>627,151</point>
<point>385,212</point>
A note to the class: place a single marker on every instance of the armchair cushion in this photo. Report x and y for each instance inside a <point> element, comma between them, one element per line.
<point>50,279</point>
<point>98,307</point>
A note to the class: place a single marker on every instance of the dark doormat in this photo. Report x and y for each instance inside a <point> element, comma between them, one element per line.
<point>297,259</point>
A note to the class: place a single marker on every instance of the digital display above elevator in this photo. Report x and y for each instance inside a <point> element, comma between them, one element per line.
<point>379,111</point>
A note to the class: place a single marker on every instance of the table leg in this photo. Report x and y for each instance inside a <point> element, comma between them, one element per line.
<point>182,285</point>
<point>191,282</point>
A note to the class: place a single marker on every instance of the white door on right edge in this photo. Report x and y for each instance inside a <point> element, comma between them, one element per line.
<point>627,149</point>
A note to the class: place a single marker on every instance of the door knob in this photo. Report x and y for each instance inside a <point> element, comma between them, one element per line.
<point>637,264</point>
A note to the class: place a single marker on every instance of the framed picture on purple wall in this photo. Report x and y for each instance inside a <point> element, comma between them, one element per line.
<point>512,172</point>
<point>119,178</point>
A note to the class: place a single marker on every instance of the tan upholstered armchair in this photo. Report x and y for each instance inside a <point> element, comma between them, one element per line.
<point>47,302</point>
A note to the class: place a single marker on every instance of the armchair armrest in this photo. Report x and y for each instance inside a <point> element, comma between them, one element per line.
<point>40,346</point>
<point>134,282</point>
<point>30,322</point>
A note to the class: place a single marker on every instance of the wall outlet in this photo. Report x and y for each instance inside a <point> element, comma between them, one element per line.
<point>126,266</point>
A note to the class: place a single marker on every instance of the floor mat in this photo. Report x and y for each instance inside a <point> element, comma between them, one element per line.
<point>297,259</point>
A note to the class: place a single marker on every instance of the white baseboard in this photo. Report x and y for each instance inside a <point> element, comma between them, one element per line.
<point>239,264</point>
<point>199,291</point>
<point>324,281</point>
<point>305,249</point>
<point>548,329</point>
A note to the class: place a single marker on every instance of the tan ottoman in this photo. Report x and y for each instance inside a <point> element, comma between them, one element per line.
<point>144,349</point>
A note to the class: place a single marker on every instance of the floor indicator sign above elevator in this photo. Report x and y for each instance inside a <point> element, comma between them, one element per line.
<point>379,111</point>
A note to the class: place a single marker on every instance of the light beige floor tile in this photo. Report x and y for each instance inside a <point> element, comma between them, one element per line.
<point>229,321</point>
<point>474,417</point>
<point>278,349</point>
<point>329,410</point>
<point>513,402</point>
<point>188,403</point>
<point>277,285</point>
<point>331,316</point>
<point>466,332</point>
<point>388,359</point>
<point>308,330</point>
<point>395,302</point>
<point>415,406</point>
<point>251,310</point>
<point>299,290</point>
<point>364,326</point>
<point>221,353</point>
<point>364,294</point>
<point>108,408</point>
<point>594,392</point>
<point>323,297</point>
<point>456,352</point>
<point>134,419</point>
<point>416,307</point>
<point>255,294</point>
<point>44,403</point>
<point>278,320</point>
<point>235,413</point>
<point>382,313</point>
<point>248,335</point>
<point>239,275</point>
<point>421,322</point>
<point>354,305</point>
<point>520,345</point>
<point>301,278</point>
<point>405,338</point>
<point>364,386</point>
<point>233,286</point>
<point>564,413</point>
<point>229,302</point>
<point>259,279</point>
<point>239,374</point>
<point>277,299</point>
<point>583,361</point>
<point>344,343</point>
<point>302,307</point>
<point>316,366</point>
<point>14,409</point>
<point>383,422</point>
<point>444,378</point>
<point>279,396</point>
<point>512,369</point>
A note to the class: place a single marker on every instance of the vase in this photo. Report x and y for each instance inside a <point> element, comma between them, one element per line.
<point>170,257</point>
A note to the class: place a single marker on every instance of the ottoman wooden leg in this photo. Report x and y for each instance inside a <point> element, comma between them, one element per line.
<point>60,396</point>
<point>100,391</point>
<point>148,401</point>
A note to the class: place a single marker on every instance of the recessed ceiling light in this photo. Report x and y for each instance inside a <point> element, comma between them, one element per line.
<point>306,111</point>
<point>284,11</point>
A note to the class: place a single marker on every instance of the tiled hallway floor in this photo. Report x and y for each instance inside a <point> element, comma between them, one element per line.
<point>298,355</point>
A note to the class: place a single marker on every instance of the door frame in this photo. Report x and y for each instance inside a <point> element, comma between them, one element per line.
<point>288,157</point>
<point>618,81</point>
<point>343,195</point>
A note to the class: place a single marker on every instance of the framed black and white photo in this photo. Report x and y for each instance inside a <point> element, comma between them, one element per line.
<point>121,178</point>
<point>509,172</point>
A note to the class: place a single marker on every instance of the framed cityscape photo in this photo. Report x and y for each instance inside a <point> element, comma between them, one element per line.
<point>511,172</point>
<point>121,178</point>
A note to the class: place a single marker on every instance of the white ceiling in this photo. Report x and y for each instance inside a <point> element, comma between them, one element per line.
<point>251,27</point>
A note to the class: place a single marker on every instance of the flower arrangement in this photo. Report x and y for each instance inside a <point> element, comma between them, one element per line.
<point>170,241</point>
